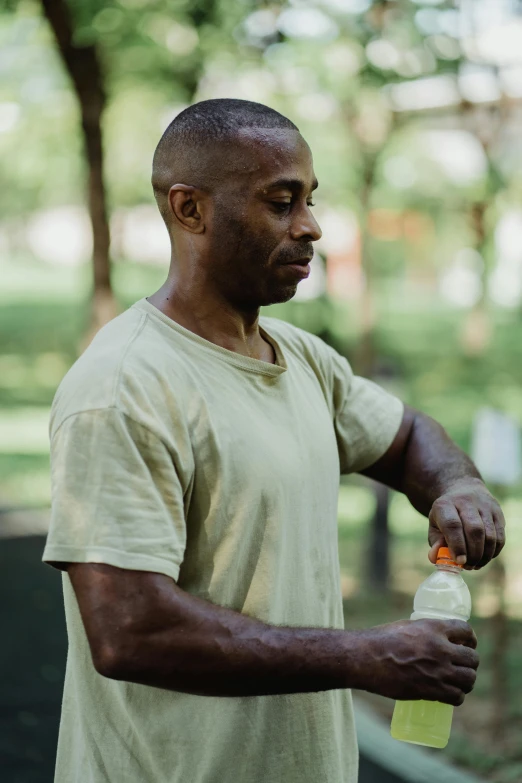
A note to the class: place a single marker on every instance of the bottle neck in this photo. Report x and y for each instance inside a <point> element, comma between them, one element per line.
<point>447,567</point>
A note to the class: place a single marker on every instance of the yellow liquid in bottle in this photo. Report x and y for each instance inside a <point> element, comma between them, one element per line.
<point>444,595</point>
<point>422,722</point>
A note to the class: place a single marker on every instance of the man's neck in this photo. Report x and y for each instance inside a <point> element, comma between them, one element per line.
<point>216,323</point>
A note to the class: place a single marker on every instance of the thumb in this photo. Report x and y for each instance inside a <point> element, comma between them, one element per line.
<point>432,554</point>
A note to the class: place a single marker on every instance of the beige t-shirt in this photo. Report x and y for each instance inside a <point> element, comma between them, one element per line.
<point>173,455</point>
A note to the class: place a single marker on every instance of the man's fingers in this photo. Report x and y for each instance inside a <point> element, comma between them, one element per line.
<point>464,678</point>
<point>464,656</point>
<point>474,532</point>
<point>445,518</point>
<point>452,695</point>
<point>460,632</point>
<point>490,539</point>
<point>500,524</point>
<point>471,522</point>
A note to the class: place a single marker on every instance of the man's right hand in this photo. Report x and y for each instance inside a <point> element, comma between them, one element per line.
<point>434,660</point>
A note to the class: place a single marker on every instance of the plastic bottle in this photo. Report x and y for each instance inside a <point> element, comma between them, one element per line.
<point>444,595</point>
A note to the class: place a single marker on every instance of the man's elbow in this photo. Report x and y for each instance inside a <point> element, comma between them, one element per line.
<point>109,660</point>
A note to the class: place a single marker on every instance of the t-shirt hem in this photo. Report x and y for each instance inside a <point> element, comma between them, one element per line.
<point>56,553</point>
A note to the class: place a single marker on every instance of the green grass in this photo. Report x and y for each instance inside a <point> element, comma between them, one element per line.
<point>43,313</point>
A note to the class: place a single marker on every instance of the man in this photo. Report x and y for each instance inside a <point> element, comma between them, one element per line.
<point>196,450</point>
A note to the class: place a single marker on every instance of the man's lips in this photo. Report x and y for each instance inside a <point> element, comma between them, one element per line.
<point>298,261</point>
<point>300,267</point>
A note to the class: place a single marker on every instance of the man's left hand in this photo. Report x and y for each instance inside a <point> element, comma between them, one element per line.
<point>468,520</point>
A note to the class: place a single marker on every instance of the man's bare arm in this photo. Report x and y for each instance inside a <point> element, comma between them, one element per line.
<point>143,628</point>
<point>442,483</point>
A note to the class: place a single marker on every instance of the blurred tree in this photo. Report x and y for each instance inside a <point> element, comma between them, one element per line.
<point>486,125</point>
<point>82,62</point>
<point>106,47</point>
<point>378,557</point>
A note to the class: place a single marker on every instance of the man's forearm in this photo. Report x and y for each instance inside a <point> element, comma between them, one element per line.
<point>432,464</point>
<point>243,658</point>
<point>143,628</point>
<point>183,643</point>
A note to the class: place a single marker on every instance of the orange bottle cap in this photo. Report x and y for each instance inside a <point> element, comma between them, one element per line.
<point>444,557</point>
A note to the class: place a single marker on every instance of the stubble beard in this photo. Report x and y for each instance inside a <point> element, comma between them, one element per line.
<point>247,284</point>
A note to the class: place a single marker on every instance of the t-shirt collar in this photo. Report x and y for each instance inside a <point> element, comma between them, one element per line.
<point>237,359</point>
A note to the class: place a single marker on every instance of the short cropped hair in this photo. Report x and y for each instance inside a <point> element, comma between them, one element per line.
<point>200,126</point>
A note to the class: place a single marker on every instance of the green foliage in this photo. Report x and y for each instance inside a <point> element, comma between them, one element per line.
<point>158,56</point>
<point>41,156</point>
<point>153,55</point>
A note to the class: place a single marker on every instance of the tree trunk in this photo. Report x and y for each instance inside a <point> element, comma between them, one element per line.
<point>476,332</point>
<point>83,66</point>
<point>364,355</point>
<point>378,555</point>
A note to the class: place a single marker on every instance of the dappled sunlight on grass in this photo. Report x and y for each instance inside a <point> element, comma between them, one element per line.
<point>485,602</point>
<point>356,506</point>
<point>46,369</point>
<point>349,586</point>
<point>28,280</point>
<point>514,593</point>
<point>405,520</point>
<point>25,480</point>
<point>24,431</point>
<point>134,281</point>
<point>31,488</point>
<point>406,579</point>
<point>25,279</point>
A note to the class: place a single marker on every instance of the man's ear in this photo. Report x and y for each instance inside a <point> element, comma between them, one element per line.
<point>185,203</point>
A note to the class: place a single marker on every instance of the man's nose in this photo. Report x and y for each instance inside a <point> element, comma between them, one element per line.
<point>305,225</point>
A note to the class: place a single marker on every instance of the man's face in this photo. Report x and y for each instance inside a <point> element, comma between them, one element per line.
<point>262,220</point>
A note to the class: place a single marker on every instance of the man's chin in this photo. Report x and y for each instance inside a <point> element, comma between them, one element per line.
<point>280,295</point>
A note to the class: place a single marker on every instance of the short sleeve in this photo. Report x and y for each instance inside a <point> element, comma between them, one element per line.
<point>116,495</point>
<point>366,417</point>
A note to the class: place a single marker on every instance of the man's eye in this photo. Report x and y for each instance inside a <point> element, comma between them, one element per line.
<point>283,206</point>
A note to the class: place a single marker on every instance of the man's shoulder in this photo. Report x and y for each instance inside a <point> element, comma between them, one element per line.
<point>121,368</point>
